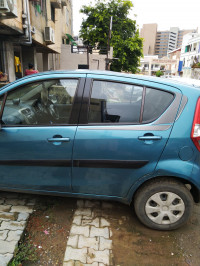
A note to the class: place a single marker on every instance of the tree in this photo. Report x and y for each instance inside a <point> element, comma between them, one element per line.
<point>125,40</point>
<point>159,73</point>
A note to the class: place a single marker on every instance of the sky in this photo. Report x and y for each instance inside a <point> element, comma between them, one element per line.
<point>184,14</point>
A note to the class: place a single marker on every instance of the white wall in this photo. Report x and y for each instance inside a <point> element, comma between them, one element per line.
<point>70,60</point>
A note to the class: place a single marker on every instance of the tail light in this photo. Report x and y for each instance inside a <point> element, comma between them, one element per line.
<point>195,134</point>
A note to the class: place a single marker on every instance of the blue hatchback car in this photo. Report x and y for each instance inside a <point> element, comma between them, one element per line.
<point>104,135</point>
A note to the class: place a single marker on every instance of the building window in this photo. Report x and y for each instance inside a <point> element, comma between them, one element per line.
<point>52,13</point>
<point>67,17</point>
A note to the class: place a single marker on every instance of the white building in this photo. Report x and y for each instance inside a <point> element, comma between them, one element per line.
<point>149,65</point>
<point>190,55</point>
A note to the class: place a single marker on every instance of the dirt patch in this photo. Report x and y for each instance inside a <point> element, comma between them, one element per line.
<point>135,244</point>
<point>45,238</point>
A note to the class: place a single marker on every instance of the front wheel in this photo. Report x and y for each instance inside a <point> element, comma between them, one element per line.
<point>163,204</point>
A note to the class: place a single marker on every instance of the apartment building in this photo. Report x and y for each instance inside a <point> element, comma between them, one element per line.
<point>148,33</point>
<point>190,56</point>
<point>32,32</point>
<point>160,43</point>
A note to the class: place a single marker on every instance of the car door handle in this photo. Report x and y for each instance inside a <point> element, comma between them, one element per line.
<point>150,138</point>
<point>59,140</point>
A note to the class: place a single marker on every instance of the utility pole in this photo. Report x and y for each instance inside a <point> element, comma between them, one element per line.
<point>108,44</point>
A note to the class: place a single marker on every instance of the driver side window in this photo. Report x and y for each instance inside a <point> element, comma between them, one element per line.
<point>42,103</point>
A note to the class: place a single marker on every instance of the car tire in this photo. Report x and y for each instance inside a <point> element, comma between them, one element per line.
<point>163,204</point>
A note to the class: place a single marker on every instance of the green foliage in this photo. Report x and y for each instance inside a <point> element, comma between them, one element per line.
<point>125,40</point>
<point>159,73</point>
<point>25,252</point>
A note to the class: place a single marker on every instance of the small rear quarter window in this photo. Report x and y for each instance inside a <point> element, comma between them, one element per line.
<point>156,102</point>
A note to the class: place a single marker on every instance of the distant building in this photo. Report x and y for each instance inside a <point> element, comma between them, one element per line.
<point>161,42</point>
<point>149,65</point>
<point>190,56</point>
<point>32,32</point>
<point>175,55</point>
<point>148,33</point>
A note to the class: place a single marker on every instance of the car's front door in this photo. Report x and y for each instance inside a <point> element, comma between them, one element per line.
<point>37,136</point>
<point>128,125</point>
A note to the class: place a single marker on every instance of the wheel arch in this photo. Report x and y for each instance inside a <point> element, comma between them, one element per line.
<point>191,187</point>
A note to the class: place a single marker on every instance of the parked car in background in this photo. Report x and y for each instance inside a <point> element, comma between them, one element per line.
<point>104,135</point>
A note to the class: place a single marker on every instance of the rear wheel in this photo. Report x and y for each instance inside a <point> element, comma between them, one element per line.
<point>164,204</point>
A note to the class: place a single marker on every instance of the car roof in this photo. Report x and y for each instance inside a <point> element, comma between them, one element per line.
<point>166,81</point>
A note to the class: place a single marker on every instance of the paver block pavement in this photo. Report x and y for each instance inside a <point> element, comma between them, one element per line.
<point>76,254</point>
<point>92,231</point>
<point>13,216</point>
<point>73,241</point>
<point>7,216</point>
<point>83,211</point>
<point>22,216</point>
<point>5,208</point>
<point>7,246</point>
<point>89,242</point>
<point>3,234</point>
<point>94,222</point>
<point>79,230</point>
<point>99,232</point>
<point>105,243</point>
<point>26,209</point>
<point>4,259</point>
<point>77,220</point>
<point>98,256</point>
<point>14,235</point>
<point>12,225</point>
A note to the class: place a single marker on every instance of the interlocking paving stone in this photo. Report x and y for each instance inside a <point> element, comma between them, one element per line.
<point>80,203</point>
<point>7,216</point>
<point>73,241</point>
<point>105,243</point>
<point>4,259</point>
<point>5,208</point>
<point>26,209</point>
<point>79,230</point>
<point>94,222</point>
<point>76,254</point>
<point>12,225</point>
<point>69,263</point>
<point>3,234</point>
<point>15,202</point>
<point>14,235</point>
<point>14,213</point>
<point>82,211</point>
<point>77,220</point>
<point>77,263</point>
<point>92,231</point>
<point>22,216</point>
<point>104,222</point>
<point>99,232</point>
<point>98,256</point>
<point>7,246</point>
<point>88,242</point>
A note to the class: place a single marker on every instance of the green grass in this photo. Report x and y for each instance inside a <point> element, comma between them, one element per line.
<point>24,252</point>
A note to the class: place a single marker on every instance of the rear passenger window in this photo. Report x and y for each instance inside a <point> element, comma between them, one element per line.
<point>115,102</point>
<point>156,102</point>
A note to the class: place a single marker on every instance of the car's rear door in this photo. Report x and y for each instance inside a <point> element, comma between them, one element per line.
<point>124,127</point>
<point>37,136</point>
